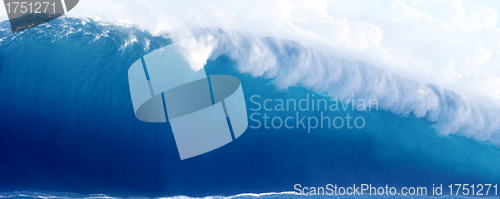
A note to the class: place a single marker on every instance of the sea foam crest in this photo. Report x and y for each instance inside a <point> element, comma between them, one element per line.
<point>290,63</point>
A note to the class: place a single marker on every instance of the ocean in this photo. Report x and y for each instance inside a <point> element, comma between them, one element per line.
<point>68,129</point>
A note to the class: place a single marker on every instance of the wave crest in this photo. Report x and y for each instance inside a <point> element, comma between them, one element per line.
<point>290,63</point>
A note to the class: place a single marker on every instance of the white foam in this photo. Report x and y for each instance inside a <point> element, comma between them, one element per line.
<point>243,195</point>
<point>49,195</point>
<point>446,43</point>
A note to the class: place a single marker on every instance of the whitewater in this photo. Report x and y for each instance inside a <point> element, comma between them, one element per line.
<point>47,195</point>
<point>440,64</point>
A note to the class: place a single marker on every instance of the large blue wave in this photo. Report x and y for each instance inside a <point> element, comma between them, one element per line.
<point>67,125</point>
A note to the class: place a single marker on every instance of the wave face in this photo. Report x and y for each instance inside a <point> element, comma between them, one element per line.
<point>67,122</point>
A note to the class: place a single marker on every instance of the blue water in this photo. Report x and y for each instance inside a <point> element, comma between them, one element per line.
<point>67,125</point>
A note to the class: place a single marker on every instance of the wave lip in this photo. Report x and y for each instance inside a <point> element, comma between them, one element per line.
<point>449,44</point>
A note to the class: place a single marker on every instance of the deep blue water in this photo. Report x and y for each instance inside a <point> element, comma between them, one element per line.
<point>67,125</point>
